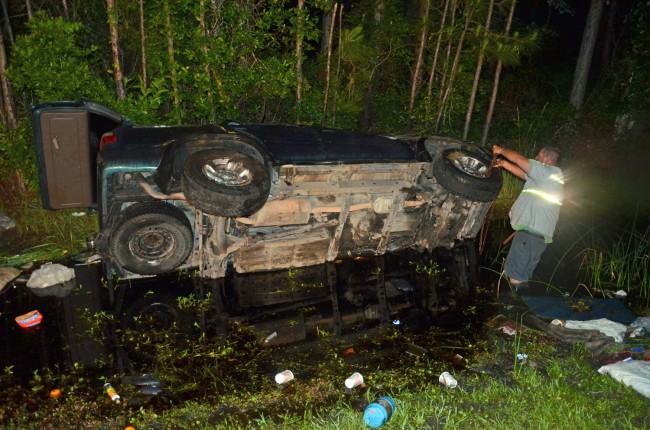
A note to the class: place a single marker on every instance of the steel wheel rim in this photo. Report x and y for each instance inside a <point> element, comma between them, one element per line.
<point>470,165</point>
<point>152,245</point>
<point>225,171</point>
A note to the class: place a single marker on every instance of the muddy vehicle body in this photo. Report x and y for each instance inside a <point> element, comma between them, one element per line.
<point>252,198</point>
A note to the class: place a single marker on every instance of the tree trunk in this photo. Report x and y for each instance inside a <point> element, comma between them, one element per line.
<point>581,74</point>
<point>143,39</point>
<point>477,73</point>
<point>329,62</point>
<point>338,68</point>
<point>172,60</point>
<point>436,52</point>
<point>497,78</point>
<point>6,86</point>
<point>454,68</point>
<point>28,7</point>
<point>417,72</point>
<point>115,48</point>
<point>299,77</point>
<point>608,38</point>
<point>6,22</point>
<point>326,27</point>
<point>66,14</point>
<point>450,42</point>
<point>206,51</point>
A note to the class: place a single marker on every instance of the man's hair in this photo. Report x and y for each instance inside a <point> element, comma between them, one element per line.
<point>553,154</point>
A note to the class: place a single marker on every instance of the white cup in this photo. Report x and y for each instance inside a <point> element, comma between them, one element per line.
<point>447,380</point>
<point>284,377</point>
<point>354,380</point>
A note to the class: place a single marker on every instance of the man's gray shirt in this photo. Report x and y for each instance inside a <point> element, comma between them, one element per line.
<point>537,208</point>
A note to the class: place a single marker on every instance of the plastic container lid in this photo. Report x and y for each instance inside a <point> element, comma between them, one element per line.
<point>376,414</point>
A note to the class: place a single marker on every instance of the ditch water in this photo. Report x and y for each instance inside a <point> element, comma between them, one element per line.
<point>425,331</point>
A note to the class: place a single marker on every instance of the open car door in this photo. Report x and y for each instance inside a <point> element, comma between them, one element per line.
<point>66,136</point>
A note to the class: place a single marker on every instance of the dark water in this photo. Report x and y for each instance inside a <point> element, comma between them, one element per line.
<point>75,328</point>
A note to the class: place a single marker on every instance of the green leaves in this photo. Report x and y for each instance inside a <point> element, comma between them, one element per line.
<point>50,62</point>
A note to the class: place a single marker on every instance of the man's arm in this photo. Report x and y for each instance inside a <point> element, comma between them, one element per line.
<point>514,162</point>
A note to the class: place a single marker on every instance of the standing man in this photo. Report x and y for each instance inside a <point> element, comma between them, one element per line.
<point>534,214</point>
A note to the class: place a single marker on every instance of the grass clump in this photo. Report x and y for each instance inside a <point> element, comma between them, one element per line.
<point>41,235</point>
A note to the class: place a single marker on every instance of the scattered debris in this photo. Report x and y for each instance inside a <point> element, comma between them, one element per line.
<point>447,380</point>
<point>379,411</point>
<point>112,393</point>
<point>51,280</point>
<point>349,352</point>
<point>30,319</point>
<point>284,377</point>
<point>146,383</point>
<point>459,361</point>
<point>506,325</point>
<point>354,380</point>
<point>7,274</point>
<point>575,309</point>
<point>416,350</point>
<point>639,327</point>
<point>270,337</point>
<point>55,393</point>
<point>603,325</point>
<point>634,374</point>
<point>5,222</point>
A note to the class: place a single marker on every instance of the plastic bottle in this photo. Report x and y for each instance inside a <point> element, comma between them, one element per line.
<point>380,411</point>
<point>112,393</point>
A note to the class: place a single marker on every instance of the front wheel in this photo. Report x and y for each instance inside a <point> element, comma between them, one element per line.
<point>151,238</point>
<point>467,173</point>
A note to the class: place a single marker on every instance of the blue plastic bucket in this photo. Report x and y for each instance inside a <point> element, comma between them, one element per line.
<point>380,411</point>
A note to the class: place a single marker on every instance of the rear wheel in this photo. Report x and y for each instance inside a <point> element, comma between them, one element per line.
<point>151,238</point>
<point>225,182</point>
<point>153,322</point>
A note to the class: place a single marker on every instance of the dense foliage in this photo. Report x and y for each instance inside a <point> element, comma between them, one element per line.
<point>399,67</point>
<point>394,66</point>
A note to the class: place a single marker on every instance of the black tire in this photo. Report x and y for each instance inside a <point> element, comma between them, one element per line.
<point>152,321</point>
<point>151,238</point>
<point>225,182</point>
<point>467,173</point>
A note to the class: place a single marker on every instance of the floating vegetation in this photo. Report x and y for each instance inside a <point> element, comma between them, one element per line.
<point>35,254</point>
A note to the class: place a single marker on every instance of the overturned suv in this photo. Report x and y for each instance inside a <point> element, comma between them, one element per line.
<point>255,197</point>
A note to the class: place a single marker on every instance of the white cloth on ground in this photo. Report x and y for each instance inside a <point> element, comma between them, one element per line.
<point>634,374</point>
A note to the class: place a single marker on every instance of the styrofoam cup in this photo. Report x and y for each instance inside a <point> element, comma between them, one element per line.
<point>284,377</point>
<point>447,380</point>
<point>354,380</point>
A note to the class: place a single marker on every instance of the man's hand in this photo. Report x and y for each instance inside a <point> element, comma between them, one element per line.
<point>512,161</point>
<point>496,151</point>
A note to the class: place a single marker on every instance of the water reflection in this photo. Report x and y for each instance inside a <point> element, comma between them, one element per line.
<point>123,323</point>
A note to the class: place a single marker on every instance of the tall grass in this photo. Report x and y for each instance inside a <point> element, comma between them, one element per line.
<point>624,264</point>
<point>42,235</point>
